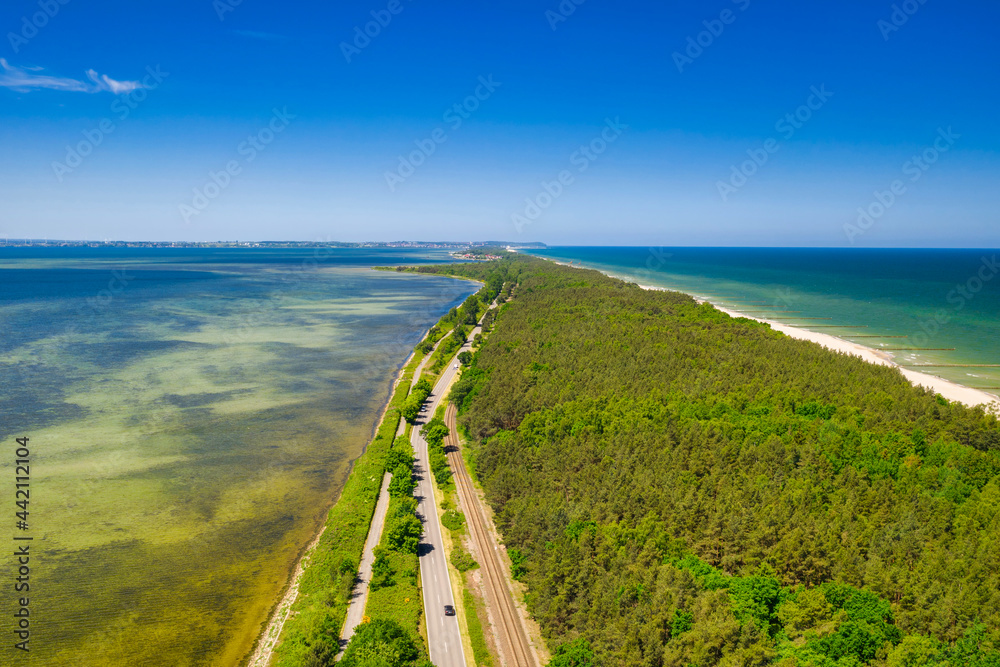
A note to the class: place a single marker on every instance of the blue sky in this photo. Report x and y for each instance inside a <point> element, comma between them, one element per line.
<point>600,123</point>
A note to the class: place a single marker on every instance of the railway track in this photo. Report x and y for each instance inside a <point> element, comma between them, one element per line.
<point>513,639</point>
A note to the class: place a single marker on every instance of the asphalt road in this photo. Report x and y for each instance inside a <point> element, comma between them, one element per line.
<point>443,637</point>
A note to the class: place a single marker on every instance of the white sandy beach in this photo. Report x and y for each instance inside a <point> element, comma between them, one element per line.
<point>948,389</point>
<point>952,391</point>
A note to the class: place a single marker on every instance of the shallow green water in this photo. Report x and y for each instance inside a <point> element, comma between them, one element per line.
<point>191,416</point>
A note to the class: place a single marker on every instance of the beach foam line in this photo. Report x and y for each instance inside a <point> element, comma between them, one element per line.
<point>946,388</point>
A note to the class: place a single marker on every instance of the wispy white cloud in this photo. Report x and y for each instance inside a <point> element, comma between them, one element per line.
<point>25,79</point>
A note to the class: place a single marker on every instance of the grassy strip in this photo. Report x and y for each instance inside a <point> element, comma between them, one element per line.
<point>325,588</point>
<point>446,350</point>
<point>400,600</point>
<point>434,433</point>
<point>395,593</point>
<point>473,608</point>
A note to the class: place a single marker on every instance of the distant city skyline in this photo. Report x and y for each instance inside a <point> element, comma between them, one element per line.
<point>724,123</point>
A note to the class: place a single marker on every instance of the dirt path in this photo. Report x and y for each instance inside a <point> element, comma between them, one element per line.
<point>269,639</point>
<point>359,596</point>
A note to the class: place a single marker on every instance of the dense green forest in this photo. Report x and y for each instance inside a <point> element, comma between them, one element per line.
<point>678,487</point>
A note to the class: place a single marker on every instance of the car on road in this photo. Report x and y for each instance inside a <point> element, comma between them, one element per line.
<point>449,610</point>
<point>455,366</point>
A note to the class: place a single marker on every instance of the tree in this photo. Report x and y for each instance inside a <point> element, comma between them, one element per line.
<point>404,534</point>
<point>435,431</point>
<point>757,598</point>
<point>914,651</point>
<point>381,569</point>
<point>380,642</point>
<point>402,483</point>
<point>411,408</point>
<point>399,455</point>
<point>576,653</point>
<point>321,654</point>
<point>465,358</point>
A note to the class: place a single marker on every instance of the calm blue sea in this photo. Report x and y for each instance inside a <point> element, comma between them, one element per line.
<point>898,298</point>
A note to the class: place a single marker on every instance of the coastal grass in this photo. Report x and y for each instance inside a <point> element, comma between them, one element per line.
<point>473,609</point>
<point>401,601</point>
<point>397,596</point>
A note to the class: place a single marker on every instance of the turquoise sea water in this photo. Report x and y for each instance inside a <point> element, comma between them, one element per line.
<point>191,415</point>
<point>921,298</point>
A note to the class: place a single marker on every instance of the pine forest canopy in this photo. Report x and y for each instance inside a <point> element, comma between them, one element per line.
<point>679,487</point>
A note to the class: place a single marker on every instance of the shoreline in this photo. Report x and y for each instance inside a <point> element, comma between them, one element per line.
<point>263,650</point>
<point>262,653</point>
<point>952,391</point>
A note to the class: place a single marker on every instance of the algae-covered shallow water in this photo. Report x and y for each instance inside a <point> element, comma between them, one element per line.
<point>191,415</point>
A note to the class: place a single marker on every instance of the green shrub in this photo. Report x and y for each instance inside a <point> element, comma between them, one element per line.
<point>453,520</point>
<point>380,643</point>
<point>462,559</point>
